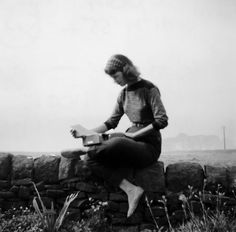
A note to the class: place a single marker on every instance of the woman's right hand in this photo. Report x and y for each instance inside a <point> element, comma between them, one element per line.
<point>75,133</point>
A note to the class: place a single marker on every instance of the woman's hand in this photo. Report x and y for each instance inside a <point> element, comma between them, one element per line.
<point>75,133</point>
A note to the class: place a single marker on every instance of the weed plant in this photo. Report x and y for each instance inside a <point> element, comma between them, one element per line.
<point>214,220</point>
<point>20,220</point>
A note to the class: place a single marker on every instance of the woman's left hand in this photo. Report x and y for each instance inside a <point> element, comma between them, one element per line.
<point>130,135</point>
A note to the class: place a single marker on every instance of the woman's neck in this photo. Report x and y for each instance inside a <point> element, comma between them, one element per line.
<point>133,82</point>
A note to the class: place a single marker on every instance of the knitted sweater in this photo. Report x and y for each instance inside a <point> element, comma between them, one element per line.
<point>142,104</point>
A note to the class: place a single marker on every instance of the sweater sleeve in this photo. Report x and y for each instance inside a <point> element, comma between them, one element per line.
<point>117,113</point>
<point>158,109</point>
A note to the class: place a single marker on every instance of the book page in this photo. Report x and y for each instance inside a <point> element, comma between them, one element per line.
<point>82,131</point>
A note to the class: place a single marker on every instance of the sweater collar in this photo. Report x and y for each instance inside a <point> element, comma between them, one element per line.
<point>135,86</point>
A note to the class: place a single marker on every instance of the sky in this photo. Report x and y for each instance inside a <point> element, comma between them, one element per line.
<point>53,53</point>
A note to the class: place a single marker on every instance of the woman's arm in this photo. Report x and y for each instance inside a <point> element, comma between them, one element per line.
<point>140,133</point>
<point>100,129</point>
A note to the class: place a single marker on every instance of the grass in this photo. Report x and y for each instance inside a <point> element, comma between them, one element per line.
<point>210,220</point>
<point>94,219</point>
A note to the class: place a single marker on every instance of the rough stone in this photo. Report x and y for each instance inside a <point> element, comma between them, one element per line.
<point>119,197</point>
<point>232,177</point>
<point>22,167</point>
<point>103,196</point>
<point>47,201</point>
<point>26,181</point>
<point>6,194</point>
<point>46,169</point>
<point>196,207</point>
<point>55,193</point>
<point>112,206</point>
<point>216,175</point>
<point>146,227</point>
<point>121,219</point>
<point>1,203</point>
<point>156,210</point>
<point>14,203</point>
<point>82,170</point>
<point>173,202</point>
<point>66,168</point>
<point>183,174</point>
<point>123,207</point>
<point>177,217</point>
<point>52,186</point>
<point>5,166</point>
<point>125,229</point>
<point>24,193</point>
<point>77,203</point>
<point>153,197</point>
<point>215,199</point>
<point>14,189</point>
<point>4,184</point>
<point>86,187</point>
<point>151,178</point>
<point>40,186</point>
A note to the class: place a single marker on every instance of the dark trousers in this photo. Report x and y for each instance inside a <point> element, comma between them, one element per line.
<point>116,158</point>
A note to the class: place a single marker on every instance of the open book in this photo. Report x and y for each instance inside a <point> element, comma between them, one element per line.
<point>82,130</point>
<point>91,137</point>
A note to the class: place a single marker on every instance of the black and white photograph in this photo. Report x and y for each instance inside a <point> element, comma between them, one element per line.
<point>117,116</point>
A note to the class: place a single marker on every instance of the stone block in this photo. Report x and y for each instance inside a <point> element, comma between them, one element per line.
<point>22,167</point>
<point>123,207</point>
<point>40,186</point>
<point>26,182</point>
<point>77,203</point>
<point>112,206</point>
<point>216,175</point>
<point>152,178</point>
<point>14,203</point>
<point>47,201</point>
<point>183,174</point>
<point>232,177</point>
<point>1,203</point>
<point>82,171</point>
<point>121,219</point>
<point>6,194</point>
<point>125,229</point>
<point>66,168</point>
<point>24,193</point>
<point>157,211</point>
<point>55,193</point>
<point>214,200</point>
<point>52,186</point>
<point>196,207</point>
<point>4,184</point>
<point>15,189</point>
<point>81,196</point>
<point>5,166</point>
<point>86,187</point>
<point>146,227</point>
<point>173,202</point>
<point>102,196</point>
<point>177,217</point>
<point>46,168</point>
<point>119,197</point>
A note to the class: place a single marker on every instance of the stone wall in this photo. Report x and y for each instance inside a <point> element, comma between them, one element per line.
<point>57,177</point>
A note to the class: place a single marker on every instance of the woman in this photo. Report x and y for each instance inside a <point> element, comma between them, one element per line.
<point>140,145</point>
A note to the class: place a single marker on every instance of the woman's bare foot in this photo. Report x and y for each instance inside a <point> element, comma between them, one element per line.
<point>134,196</point>
<point>76,153</point>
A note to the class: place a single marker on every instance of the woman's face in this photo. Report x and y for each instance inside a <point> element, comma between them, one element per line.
<point>119,79</point>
